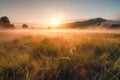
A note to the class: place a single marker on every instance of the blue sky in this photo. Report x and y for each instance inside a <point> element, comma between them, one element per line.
<point>41,11</point>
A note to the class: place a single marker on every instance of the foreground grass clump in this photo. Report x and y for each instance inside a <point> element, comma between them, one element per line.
<point>62,57</point>
<point>13,67</point>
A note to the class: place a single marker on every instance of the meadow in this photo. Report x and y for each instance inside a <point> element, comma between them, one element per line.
<point>59,55</point>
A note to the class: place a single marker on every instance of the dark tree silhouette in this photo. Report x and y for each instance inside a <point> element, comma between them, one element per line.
<point>49,27</point>
<point>25,26</point>
<point>5,22</point>
<point>115,26</point>
<point>12,26</point>
<point>5,19</point>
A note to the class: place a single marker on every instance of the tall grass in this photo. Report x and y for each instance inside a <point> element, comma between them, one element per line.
<point>70,57</point>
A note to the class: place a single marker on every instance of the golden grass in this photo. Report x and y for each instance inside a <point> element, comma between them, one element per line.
<point>65,56</point>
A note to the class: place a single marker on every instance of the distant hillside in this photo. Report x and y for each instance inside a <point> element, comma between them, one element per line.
<point>92,23</point>
<point>83,24</point>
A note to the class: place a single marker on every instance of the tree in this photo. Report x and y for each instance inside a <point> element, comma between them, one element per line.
<point>5,22</point>
<point>49,27</point>
<point>24,26</point>
<point>12,26</point>
<point>5,19</point>
<point>115,26</point>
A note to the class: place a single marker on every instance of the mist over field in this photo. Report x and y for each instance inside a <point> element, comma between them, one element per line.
<point>53,32</point>
<point>39,31</point>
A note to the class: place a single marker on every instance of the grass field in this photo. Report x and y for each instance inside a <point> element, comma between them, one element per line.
<point>59,55</point>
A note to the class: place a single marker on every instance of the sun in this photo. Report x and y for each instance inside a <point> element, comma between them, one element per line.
<point>55,22</point>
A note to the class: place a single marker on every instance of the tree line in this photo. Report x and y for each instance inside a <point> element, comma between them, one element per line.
<point>5,23</point>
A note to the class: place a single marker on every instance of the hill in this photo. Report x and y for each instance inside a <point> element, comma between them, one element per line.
<point>92,23</point>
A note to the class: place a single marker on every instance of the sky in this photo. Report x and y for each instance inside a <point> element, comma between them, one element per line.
<point>42,11</point>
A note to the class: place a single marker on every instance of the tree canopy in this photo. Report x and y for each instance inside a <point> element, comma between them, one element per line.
<point>5,22</point>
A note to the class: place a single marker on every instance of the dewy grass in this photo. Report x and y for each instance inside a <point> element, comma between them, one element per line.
<point>12,68</point>
<point>63,57</point>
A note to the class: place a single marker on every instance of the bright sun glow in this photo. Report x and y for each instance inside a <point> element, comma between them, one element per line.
<point>55,22</point>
